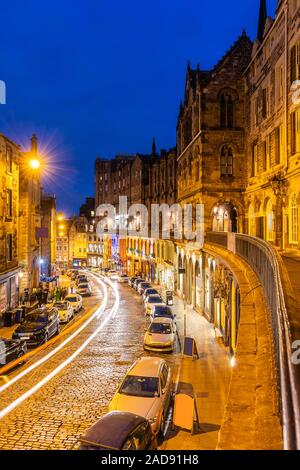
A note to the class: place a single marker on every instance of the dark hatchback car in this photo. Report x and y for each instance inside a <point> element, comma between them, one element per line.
<point>164,312</point>
<point>38,327</point>
<point>10,350</point>
<point>118,430</point>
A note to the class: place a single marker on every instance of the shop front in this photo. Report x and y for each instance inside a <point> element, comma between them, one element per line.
<point>8,292</point>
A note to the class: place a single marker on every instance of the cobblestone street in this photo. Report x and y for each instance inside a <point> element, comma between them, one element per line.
<point>56,415</point>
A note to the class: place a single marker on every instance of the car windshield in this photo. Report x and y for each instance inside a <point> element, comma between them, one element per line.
<point>36,318</point>
<point>140,386</point>
<point>154,299</point>
<point>162,328</point>
<point>72,299</point>
<point>61,305</point>
<point>83,286</point>
<point>161,310</point>
<point>151,291</point>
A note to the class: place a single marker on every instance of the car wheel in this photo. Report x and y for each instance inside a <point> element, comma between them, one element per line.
<point>20,355</point>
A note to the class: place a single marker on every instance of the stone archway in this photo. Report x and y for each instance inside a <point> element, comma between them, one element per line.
<point>225,217</point>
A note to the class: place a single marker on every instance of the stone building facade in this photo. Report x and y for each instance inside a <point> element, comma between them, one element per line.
<point>212,170</point>
<point>48,234</point>
<point>9,229</point>
<point>29,219</point>
<point>211,141</point>
<point>273,128</point>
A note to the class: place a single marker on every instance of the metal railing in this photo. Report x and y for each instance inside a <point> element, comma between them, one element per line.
<point>264,260</point>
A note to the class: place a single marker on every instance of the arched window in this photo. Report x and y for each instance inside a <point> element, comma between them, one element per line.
<point>227,100</point>
<point>293,217</point>
<point>226,161</point>
<point>270,221</point>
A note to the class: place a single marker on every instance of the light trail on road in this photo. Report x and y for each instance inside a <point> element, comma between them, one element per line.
<point>29,369</point>
<point>69,360</point>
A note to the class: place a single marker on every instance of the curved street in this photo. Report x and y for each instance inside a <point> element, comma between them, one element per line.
<point>62,409</point>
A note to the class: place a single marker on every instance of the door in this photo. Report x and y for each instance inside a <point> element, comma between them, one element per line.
<point>260,227</point>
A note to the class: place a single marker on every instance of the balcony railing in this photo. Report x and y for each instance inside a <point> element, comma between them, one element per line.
<point>265,262</point>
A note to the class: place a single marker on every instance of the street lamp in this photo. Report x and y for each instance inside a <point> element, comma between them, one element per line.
<point>279,185</point>
<point>34,164</point>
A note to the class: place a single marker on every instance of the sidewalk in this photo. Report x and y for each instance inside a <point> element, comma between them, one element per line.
<point>6,332</point>
<point>210,376</point>
<point>292,265</point>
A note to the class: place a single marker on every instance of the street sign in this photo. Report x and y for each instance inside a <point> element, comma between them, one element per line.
<point>184,408</point>
<point>189,347</point>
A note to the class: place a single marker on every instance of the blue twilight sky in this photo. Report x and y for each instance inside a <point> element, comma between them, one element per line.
<point>98,78</point>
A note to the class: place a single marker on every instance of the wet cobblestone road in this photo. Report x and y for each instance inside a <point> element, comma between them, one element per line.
<point>56,415</point>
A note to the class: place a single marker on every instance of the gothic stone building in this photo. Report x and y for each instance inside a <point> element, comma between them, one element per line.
<point>273,128</point>
<point>211,143</point>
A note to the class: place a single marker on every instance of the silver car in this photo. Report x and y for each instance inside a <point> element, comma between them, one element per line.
<point>160,336</point>
<point>146,391</point>
<point>84,289</point>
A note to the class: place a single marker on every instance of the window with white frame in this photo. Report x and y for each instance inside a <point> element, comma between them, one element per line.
<point>293,218</point>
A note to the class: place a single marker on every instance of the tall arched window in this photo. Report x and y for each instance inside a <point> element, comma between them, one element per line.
<point>226,161</point>
<point>270,221</point>
<point>227,110</point>
<point>293,217</point>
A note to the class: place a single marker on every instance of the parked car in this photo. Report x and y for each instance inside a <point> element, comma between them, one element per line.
<point>75,300</point>
<point>81,280</point>
<point>111,272</point>
<point>137,282</point>
<point>11,349</point>
<point>84,289</point>
<point>150,291</point>
<point>131,281</point>
<point>142,286</point>
<point>161,335</point>
<point>152,301</point>
<point>123,278</point>
<point>38,327</point>
<point>162,311</point>
<point>146,391</point>
<point>119,430</point>
<point>65,311</point>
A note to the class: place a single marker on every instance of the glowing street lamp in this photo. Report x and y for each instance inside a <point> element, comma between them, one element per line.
<point>34,164</point>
